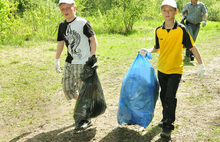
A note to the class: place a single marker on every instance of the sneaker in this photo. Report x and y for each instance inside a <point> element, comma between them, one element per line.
<point>84,124</point>
<point>192,58</point>
<point>187,53</point>
<point>166,133</point>
<point>161,124</point>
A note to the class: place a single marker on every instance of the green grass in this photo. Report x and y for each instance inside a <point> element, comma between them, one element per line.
<point>212,136</point>
<point>28,77</point>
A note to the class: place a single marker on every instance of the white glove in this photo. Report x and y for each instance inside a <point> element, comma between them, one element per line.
<point>201,71</point>
<point>203,23</point>
<point>143,52</point>
<point>57,66</point>
<point>182,18</point>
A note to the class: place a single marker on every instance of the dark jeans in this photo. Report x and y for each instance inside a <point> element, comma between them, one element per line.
<point>194,31</point>
<point>169,84</point>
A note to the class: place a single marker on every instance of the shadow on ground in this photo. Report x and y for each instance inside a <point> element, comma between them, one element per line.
<point>123,134</point>
<point>60,135</point>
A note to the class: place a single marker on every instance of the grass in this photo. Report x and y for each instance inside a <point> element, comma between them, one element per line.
<point>28,77</point>
<point>212,136</point>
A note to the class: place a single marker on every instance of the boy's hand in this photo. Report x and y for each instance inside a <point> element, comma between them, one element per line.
<point>57,66</point>
<point>143,52</point>
<point>201,71</point>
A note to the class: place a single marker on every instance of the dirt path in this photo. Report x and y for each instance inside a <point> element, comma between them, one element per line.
<point>197,112</point>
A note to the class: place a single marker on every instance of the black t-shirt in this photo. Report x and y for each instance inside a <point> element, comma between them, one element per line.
<point>76,35</point>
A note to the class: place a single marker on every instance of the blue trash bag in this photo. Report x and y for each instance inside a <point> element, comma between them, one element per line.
<point>139,93</point>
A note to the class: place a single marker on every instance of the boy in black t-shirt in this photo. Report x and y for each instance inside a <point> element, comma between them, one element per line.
<point>79,37</point>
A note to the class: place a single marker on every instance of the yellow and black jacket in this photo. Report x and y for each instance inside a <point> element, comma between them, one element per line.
<point>170,43</point>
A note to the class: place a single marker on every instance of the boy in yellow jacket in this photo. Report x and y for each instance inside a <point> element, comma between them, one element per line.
<point>170,39</point>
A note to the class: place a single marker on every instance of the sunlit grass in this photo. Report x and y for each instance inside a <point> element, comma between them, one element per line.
<point>28,77</point>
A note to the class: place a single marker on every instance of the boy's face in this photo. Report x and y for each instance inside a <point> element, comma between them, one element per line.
<point>68,11</point>
<point>168,12</point>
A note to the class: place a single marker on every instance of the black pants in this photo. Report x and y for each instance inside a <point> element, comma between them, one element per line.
<point>169,84</point>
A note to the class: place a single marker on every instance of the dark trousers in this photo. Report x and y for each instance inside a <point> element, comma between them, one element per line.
<point>169,84</point>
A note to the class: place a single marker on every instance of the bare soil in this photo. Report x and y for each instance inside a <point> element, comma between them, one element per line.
<point>197,112</point>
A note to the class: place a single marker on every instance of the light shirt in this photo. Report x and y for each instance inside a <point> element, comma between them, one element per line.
<point>194,12</point>
<point>76,35</point>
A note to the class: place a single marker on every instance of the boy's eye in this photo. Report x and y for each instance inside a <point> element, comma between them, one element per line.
<point>66,9</point>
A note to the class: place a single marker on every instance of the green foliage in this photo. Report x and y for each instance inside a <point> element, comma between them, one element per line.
<point>7,13</point>
<point>91,6</point>
<point>132,10</point>
<point>38,20</point>
<point>181,4</point>
<point>152,9</point>
<point>121,17</point>
<point>214,12</point>
<point>24,20</point>
<point>113,20</point>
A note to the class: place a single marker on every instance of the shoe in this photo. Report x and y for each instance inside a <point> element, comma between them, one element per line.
<point>187,53</point>
<point>166,133</point>
<point>161,124</point>
<point>84,124</point>
<point>192,58</point>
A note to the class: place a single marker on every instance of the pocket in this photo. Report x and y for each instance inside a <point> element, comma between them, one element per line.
<point>199,10</point>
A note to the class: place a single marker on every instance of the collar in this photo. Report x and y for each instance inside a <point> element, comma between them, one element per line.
<point>72,20</point>
<point>174,27</point>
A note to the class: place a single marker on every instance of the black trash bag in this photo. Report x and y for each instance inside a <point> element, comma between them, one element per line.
<point>91,102</point>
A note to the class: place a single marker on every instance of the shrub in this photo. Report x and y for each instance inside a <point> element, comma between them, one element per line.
<point>121,17</point>
<point>214,12</point>
<point>7,14</point>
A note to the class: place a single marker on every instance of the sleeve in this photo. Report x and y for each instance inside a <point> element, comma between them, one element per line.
<point>156,46</point>
<point>187,39</point>
<point>204,10</point>
<point>88,30</point>
<point>59,36</point>
<point>184,10</point>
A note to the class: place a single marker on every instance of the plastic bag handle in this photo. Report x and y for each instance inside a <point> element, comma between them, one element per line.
<point>148,55</point>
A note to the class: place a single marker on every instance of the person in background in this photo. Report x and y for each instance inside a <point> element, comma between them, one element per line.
<point>170,38</point>
<point>194,12</point>
<point>79,37</point>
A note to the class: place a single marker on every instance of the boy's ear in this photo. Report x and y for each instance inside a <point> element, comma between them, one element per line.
<point>176,11</point>
<point>75,7</point>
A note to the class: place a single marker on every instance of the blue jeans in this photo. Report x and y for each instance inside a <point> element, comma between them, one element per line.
<point>194,31</point>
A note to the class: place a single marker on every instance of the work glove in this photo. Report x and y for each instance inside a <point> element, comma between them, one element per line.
<point>143,52</point>
<point>182,18</point>
<point>201,71</point>
<point>57,66</point>
<point>203,23</point>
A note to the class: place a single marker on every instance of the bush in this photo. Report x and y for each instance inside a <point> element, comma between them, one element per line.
<point>121,17</point>
<point>214,12</point>
<point>23,20</point>
<point>7,15</point>
<point>38,20</point>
